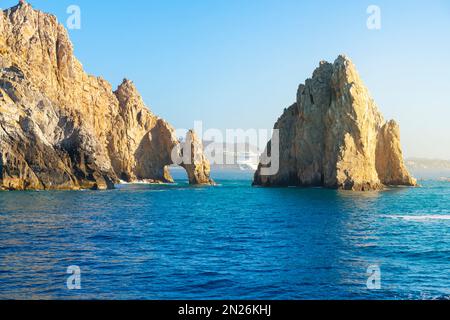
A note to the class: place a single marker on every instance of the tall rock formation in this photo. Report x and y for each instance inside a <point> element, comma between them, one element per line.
<point>195,161</point>
<point>61,128</point>
<point>334,136</point>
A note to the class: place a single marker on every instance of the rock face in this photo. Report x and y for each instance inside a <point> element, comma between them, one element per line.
<point>61,128</point>
<point>334,136</point>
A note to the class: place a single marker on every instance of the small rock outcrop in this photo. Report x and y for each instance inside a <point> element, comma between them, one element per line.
<point>61,128</point>
<point>198,166</point>
<point>334,136</point>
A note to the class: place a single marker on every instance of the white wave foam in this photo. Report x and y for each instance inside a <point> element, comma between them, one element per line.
<point>146,182</point>
<point>433,217</point>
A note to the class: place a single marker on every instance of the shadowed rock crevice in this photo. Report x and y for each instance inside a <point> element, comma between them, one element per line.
<point>334,136</point>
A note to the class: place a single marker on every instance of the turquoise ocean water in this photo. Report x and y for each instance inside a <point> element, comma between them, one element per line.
<point>227,242</point>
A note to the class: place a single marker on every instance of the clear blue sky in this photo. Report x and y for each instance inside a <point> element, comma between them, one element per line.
<point>238,63</point>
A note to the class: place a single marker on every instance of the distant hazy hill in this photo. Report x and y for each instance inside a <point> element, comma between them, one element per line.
<point>429,168</point>
<point>418,163</point>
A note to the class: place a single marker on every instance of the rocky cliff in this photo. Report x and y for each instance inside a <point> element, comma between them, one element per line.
<point>334,136</point>
<point>61,128</point>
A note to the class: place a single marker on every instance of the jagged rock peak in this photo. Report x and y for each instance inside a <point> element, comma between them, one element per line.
<point>127,94</point>
<point>334,136</point>
<point>20,5</point>
<point>127,85</point>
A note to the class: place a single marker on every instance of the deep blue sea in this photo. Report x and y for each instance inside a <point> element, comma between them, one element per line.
<point>232,241</point>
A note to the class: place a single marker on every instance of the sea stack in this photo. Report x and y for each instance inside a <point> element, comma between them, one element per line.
<point>334,136</point>
<point>198,166</point>
<point>61,128</point>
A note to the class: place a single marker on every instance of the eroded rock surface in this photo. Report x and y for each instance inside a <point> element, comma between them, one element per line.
<point>61,128</point>
<point>334,136</point>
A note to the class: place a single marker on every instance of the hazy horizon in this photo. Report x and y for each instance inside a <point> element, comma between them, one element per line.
<point>235,64</point>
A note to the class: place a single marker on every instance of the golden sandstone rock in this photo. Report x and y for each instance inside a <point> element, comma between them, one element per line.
<point>334,136</point>
<point>61,128</point>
